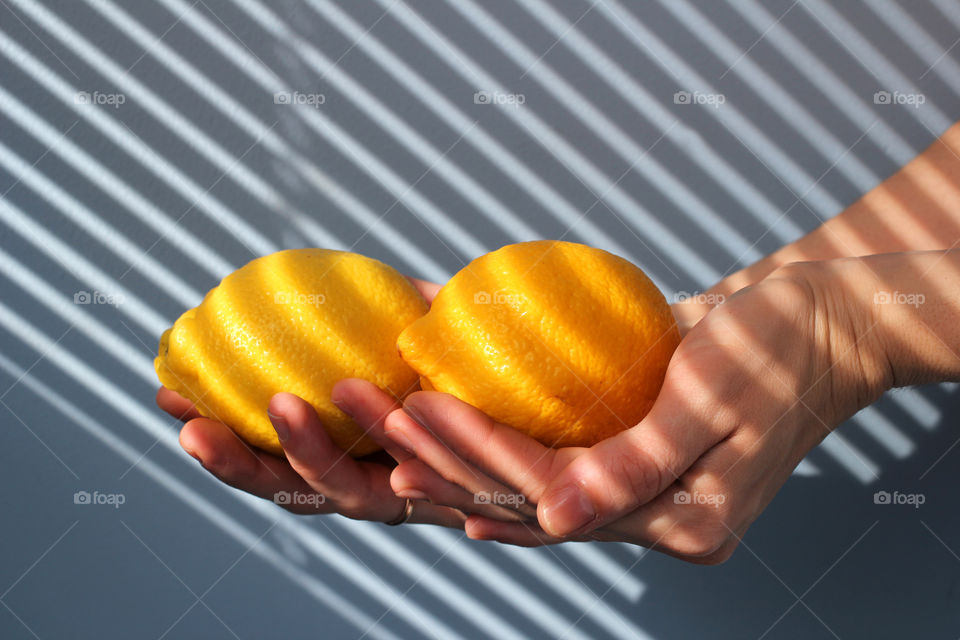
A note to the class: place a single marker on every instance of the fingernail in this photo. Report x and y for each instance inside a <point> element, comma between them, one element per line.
<point>401,440</point>
<point>280,425</point>
<point>568,511</point>
<point>413,494</point>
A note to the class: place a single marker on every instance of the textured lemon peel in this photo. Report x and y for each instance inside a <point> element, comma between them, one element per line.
<point>567,343</point>
<point>296,321</point>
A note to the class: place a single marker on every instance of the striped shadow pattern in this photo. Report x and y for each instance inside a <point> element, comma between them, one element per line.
<point>147,150</point>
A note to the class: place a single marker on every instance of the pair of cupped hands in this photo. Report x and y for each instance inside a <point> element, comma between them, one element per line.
<point>754,385</point>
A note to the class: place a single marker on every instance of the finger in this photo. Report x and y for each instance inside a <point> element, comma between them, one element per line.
<point>438,456</point>
<point>623,472</point>
<point>523,534</point>
<point>224,455</point>
<point>176,405</point>
<point>688,313</point>
<point>360,490</point>
<point>500,451</point>
<point>426,288</point>
<point>309,449</point>
<point>369,406</point>
<point>426,513</point>
<point>414,479</point>
<point>701,517</point>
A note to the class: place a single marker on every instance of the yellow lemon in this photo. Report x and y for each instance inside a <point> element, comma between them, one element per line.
<point>296,321</point>
<point>564,342</point>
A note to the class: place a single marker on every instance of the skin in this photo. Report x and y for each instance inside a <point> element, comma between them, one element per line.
<point>314,466</point>
<point>805,338</point>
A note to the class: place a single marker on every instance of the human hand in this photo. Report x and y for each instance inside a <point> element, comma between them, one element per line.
<point>756,384</point>
<point>318,476</point>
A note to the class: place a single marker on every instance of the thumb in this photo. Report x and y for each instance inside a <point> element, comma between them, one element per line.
<point>617,475</point>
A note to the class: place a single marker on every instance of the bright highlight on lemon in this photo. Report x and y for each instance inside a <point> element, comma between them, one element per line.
<point>564,342</point>
<point>296,321</point>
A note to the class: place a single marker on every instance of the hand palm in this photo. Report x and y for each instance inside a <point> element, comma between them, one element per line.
<point>319,476</point>
<point>749,391</point>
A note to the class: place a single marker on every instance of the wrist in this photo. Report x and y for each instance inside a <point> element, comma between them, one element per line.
<point>897,313</point>
<point>915,303</point>
<point>854,359</point>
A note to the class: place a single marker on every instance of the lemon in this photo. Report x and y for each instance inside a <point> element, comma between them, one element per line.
<point>296,321</point>
<point>564,342</point>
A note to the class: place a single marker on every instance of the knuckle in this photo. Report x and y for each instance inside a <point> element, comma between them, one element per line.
<point>794,281</point>
<point>693,545</point>
<point>634,470</point>
<point>716,557</point>
<point>701,540</point>
<point>657,457</point>
<point>724,553</point>
<point>793,271</point>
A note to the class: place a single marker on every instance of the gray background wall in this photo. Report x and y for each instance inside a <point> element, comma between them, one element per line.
<point>149,202</point>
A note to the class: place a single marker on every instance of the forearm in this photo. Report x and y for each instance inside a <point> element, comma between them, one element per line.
<point>917,208</point>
